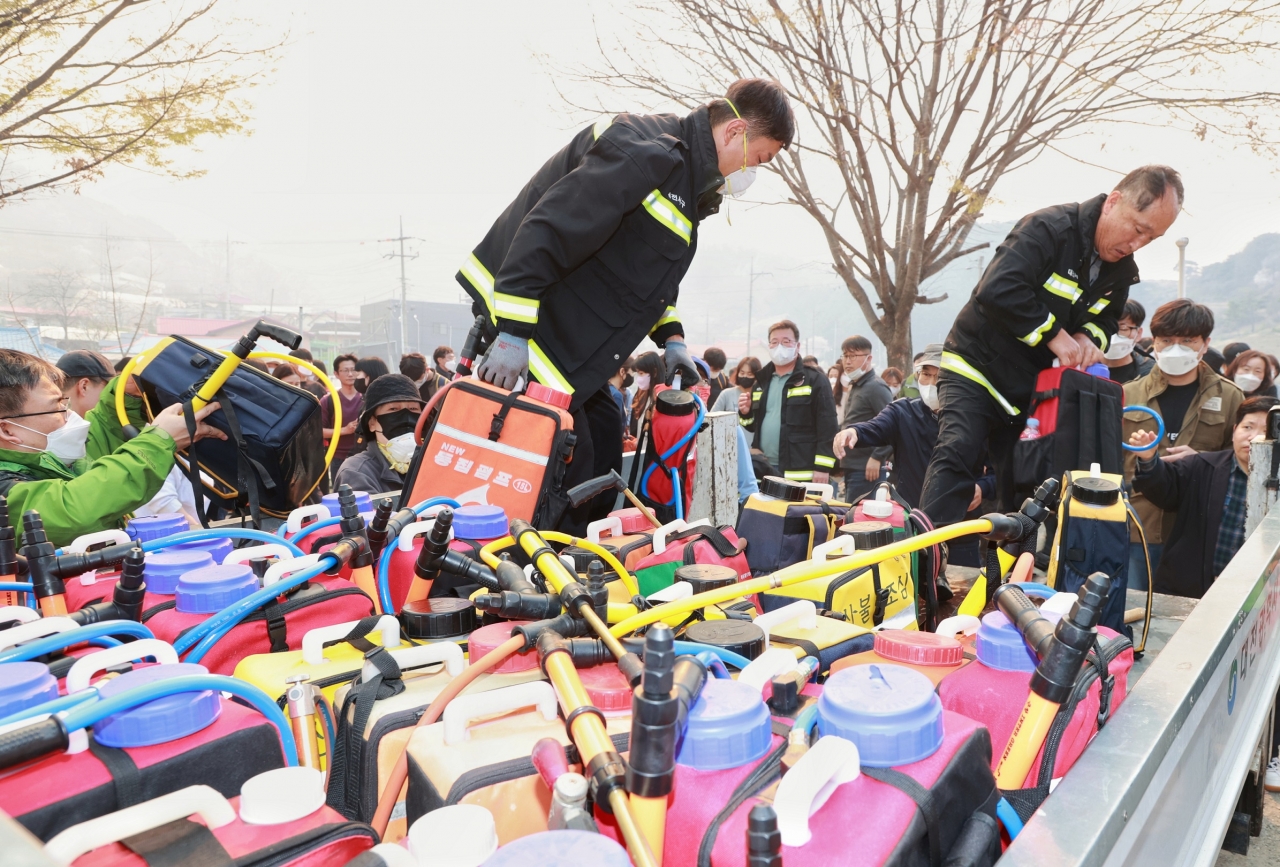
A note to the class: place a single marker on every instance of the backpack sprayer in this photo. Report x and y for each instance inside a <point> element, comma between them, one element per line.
<point>272,458</point>
<point>677,418</point>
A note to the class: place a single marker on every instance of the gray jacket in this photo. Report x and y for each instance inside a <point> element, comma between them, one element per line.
<point>369,471</point>
<point>862,402</point>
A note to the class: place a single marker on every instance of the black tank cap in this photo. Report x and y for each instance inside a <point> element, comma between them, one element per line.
<point>868,534</point>
<point>707,576</point>
<point>674,401</point>
<point>1095,492</point>
<point>440,617</point>
<point>782,489</point>
<point>740,636</point>
<point>582,559</point>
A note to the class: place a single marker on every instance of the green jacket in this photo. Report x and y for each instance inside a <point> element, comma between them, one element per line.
<point>97,493</point>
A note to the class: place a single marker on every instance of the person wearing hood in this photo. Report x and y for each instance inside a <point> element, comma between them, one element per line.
<point>587,260</point>
<point>80,474</point>
<point>1198,407</point>
<point>385,433</point>
<point>865,396</point>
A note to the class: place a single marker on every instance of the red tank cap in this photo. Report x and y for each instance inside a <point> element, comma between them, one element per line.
<point>487,638</point>
<point>918,648</point>
<point>606,686</point>
<point>633,521</point>
<point>547,394</point>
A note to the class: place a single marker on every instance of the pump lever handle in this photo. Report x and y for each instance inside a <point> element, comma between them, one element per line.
<point>278,333</point>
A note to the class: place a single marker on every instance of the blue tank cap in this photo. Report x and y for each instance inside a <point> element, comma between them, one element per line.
<point>560,849</point>
<point>364,503</point>
<point>890,712</point>
<point>213,588</point>
<point>480,522</point>
<point>24,685</point>
<point>728,727</point>
<point>218,549</point>
<point>1000,644</point>
<point>160,720</point>
<point>150,527</point>
<point>164,568</point>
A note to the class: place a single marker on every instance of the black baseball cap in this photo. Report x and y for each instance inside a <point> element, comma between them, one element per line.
<point>79,363</point>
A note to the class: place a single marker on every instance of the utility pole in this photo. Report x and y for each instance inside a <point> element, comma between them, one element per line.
<point>300,328</point>
<point>404,285</point>
<point>751,291</point>
<point>1182,266</point>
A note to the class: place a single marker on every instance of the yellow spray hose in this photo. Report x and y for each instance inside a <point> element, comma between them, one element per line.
<point>798,573</point>
<point>489,554</point>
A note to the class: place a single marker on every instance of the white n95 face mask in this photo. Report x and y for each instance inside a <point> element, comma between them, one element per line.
<point>782,354</point>
<point>929,396</point>
<point>402,448</point>
<point>1177,360</point>
<point>67,443</point>
<point>1247,381</point>
<point>1119,348</point>
<point>736,183</point>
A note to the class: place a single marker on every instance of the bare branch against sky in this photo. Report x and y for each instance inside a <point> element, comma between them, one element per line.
<point>913,113</point>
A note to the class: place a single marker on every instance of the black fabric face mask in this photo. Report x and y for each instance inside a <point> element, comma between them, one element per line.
<point>398,423</point>
<point>746,383</point>
<point>360,385</point>
<point>629,381</point>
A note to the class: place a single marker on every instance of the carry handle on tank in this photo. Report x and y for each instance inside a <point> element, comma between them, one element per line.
<point>612,523</point>
<point>965,624</point>
<point>81,544</point>
<point>767,666</point>
<point>802,610</point>
<point>213,809</point>
<point>460,712</point>
<point>676,526</point>
<point>86,668</point>
<point>843,542</point>
<point>293,523</point>
<point>671,593</point>
<point>418,528</point>
<point>20,613</point>
<point>282,569</point>
<point>41,628</point>
<point>258,552</point>
<point>820,490</point>
<point>313,642</point>
<point>416,656</point>
<point>830,762</point>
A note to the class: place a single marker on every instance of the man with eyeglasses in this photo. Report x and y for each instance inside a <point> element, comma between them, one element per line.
<point>1052,293</point>
<point>866,394</point>
<point>791,412</point>
<point>80,475</point>
<point>1125,361</point>
<point>1198,407</point>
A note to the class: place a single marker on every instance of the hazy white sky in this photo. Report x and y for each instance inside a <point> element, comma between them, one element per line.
<point>440,112</point>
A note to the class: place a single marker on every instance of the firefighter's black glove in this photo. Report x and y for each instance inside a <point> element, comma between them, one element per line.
<point>506,361</point>
<point>676,359</point>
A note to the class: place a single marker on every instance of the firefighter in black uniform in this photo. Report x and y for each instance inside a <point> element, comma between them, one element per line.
<point>1055,289</point>
<point>588,259</point>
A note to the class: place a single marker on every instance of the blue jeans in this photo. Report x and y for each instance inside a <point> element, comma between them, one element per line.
<point>1138,578</point>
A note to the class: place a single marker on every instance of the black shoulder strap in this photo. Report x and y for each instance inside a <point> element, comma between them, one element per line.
<point>181,843</point>
<point>765,773</point>
<point>718,540</point>
<point>193,466</point>
<point>500,417</point>
<point>123,771</point>
<point>924,800</point>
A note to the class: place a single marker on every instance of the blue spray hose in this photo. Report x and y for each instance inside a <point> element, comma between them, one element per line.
<point>204,636</point>
<point>1009,818</point>
<point>311,528</point>
<point>94,631</point>
<point>728,657</point>
<point>1159,429</point>
<point>56,705</point>
<point>715,667</point>
<point>384,559</point>
<point>86,714</point>
<point>676,499</point>
<point>206,535</point>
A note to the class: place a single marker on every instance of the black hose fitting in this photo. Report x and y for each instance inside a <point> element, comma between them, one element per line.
<point>573,596</point>
<point>564,625</point>
<point>350,549</point>
<point>377,531</point>
<point>1022,613</point>
<point>352,525</point>
<point>607,772</point>
<point>654,714</point>
<point>434,547</point>
<point>511,605</point>
<point>43,563</point>
<point>126,599</point>
<point>589,652</point>
<point>764,840</point>
<point>598,590</point>
<point>549,642</point>
<point>512,577</point>
<point>688,676</point>
<point>8,543</point>
<point>457,563</point>
<point>1055,676</point>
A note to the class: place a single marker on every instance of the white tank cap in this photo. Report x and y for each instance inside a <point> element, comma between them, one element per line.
<point>877,508</point>
<point>460,835</point>
<point>282,795</point>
